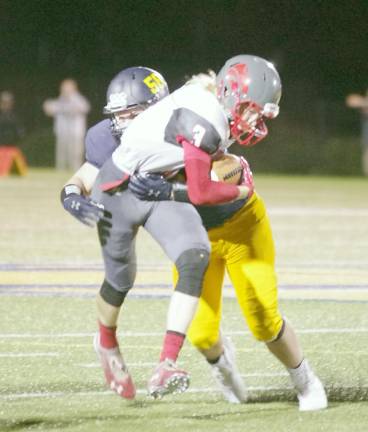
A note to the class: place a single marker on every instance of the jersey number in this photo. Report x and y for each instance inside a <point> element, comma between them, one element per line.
<point>153,82</point>
<point>198,134</point>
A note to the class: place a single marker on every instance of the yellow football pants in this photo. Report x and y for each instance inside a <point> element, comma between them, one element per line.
<point>244,247</point>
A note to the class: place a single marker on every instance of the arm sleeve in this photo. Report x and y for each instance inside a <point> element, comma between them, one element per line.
<point>100,143</point>
<point>201,189</point>
<point>91,153</point>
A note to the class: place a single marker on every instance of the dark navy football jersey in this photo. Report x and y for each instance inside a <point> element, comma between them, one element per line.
<point>217,215</point>
<point>100,143</point>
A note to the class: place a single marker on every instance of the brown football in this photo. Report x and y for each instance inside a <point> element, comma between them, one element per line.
<point>228,169</point>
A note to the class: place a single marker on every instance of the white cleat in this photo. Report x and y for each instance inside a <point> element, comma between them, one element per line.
<point>227,375</point>
<point>310,391</point>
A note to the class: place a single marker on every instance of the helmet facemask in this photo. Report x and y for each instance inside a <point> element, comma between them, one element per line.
<point>121,119</point>
<point>248,125</point>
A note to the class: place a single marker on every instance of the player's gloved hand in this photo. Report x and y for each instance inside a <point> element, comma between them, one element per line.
<point>247,177</point>
<point>150,187</point>
<point>81,207</point>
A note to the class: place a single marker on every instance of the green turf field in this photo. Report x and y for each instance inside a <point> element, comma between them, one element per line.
<point>50,269</point>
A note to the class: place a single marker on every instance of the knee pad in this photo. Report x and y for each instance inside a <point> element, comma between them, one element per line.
<point>111,295</point>
<point>191,266</point>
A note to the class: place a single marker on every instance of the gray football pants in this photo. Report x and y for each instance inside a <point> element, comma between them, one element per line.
<point>176,226</point>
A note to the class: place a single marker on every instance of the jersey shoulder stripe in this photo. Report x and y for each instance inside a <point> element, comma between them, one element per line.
<point>196,129</point>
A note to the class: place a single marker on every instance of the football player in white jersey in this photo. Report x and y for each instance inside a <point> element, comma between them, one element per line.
<point>242,244</point>
<point>187,129</point>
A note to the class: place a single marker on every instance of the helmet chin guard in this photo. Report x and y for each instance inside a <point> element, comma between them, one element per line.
<point>249,137</point>
<point>121,119</point>
<point>118,126</point>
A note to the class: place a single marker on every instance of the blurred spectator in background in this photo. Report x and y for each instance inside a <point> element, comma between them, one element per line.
<point>361,102</point>
<point>10,128</point>
<point>70,111</point>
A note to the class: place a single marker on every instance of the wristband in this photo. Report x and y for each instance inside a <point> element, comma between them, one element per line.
<point>68,190</point>
<point>179,192</point>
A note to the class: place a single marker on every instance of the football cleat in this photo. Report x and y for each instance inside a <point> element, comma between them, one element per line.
<point>167,378</point>
<point>310,391</point>
<point>116,372</point>
<point>227,375</point>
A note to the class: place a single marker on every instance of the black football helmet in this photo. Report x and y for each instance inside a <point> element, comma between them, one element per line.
<point>130,92</point>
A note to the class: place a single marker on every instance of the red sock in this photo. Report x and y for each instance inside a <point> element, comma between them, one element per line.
<point>172,345</point>
<point>107,336</point>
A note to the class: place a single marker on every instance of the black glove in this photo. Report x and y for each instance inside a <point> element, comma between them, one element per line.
<point>150,187</point>
<point>80,206</point>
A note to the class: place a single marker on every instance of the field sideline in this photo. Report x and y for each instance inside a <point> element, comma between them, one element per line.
<point>50,270</point>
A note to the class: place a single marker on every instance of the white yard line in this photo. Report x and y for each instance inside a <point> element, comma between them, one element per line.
<point>328,330</point>
<point>44,335</point>
<point>21,355</point>
<point>95,268</point>
<point>13,396</point>
<point>145,334</point>
<point>110,393</point>
<point>153,364</point>
<point>263,375</point>
<point>318,211</point>
<point>96,365</point>
<point>313,330</point>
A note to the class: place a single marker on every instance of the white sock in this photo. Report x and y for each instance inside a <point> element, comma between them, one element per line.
<point>301,375</point>
<point>181,312</point>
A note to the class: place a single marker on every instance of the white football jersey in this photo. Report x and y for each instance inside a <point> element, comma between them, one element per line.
<point>149,143</point>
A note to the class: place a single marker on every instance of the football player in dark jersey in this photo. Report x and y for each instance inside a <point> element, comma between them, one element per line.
<point>130,92</point>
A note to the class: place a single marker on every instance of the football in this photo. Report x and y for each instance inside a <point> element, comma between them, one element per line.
<point>227,169</point>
